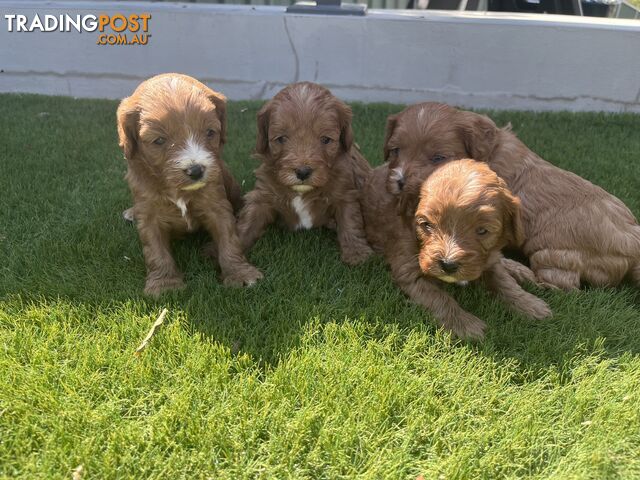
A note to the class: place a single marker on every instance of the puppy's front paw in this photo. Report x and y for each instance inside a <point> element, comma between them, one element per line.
<point>536,308</point>
<point>548,286</point>
<point>520,273</point>
<point>356,255</point>
<point>467,326</point>
<point>243,276</point>
<point>128,215</point>
<point>155,286</point>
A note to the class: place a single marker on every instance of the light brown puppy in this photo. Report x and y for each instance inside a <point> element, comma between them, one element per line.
<point>310,170</point>
<point>574,231</point>
<point>465,216</point>
<point>172,130</point>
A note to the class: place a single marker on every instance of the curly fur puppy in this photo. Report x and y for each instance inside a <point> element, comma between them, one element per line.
<point>172,130</point>
<point>310,170</point>
<point>465,216</point>
<point>574,231</point>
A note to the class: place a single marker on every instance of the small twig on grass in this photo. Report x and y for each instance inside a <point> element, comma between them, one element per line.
<point>152,332</point>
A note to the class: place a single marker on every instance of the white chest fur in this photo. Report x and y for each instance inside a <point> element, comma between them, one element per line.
<point>304,215</point>
<point>182,205</point>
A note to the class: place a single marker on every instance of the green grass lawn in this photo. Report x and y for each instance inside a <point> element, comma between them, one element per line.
<point>319,371</point>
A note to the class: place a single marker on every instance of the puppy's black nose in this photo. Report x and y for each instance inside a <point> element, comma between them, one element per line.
<point>195,172</point>
<point>303,172</point>
<point>401,183</point>
<point>448,266</point>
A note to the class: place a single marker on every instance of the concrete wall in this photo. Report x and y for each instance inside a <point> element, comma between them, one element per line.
<point>481,60</point>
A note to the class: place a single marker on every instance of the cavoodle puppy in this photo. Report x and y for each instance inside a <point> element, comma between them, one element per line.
<point>172,130</point>
<point>310,170</point>
<point>464,217</point>
<point>574,231</point>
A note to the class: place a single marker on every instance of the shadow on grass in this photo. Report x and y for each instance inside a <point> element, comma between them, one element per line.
<point>99,263</point>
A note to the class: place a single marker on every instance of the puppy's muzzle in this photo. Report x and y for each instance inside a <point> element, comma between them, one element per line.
<point>302,173</point>
<point>195,172</point>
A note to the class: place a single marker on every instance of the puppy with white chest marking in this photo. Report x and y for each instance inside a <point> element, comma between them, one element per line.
<point>464,217</point>
<point>172,130</point>
<point>310,170</point>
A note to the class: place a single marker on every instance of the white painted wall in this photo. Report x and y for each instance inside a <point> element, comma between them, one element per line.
<point>481,60</point>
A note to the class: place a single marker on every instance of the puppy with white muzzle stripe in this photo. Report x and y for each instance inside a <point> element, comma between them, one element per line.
<point>172,130</point>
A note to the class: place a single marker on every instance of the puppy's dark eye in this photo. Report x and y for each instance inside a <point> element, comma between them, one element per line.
<point>159,141</point>
<point>395,151</point>
<point>481,231</point>
<point>326,140</point>
<point>424,225</point>
<point>211,133</point>
<point>438,159</point>
<point>281,139</point>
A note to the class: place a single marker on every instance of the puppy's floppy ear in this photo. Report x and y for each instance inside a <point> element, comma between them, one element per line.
<point>513,229</point>
<point>392,122</point>
<point>220,101</point>
<point>128,118</point>
<point>407,203</point>
<point>480,135</point>
<point>346,132</point>
<point>262,138</point>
